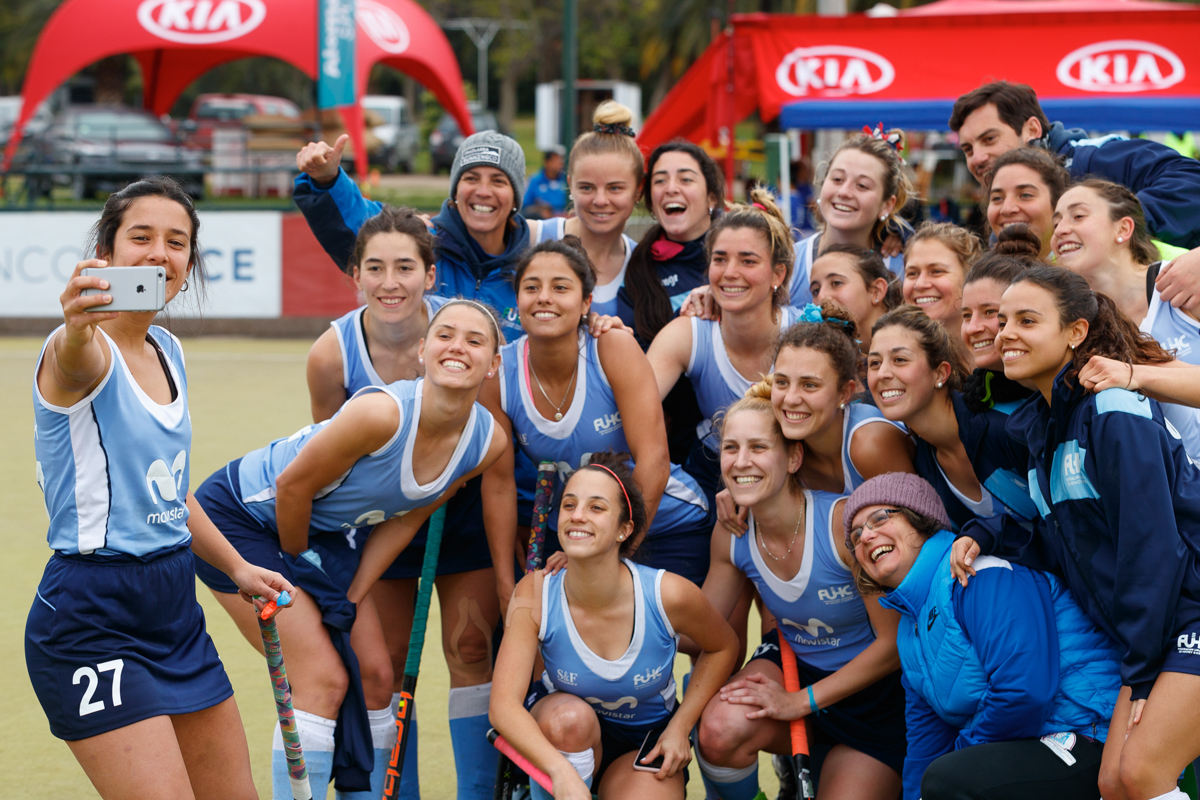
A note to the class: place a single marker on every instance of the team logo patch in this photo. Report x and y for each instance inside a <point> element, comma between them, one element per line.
<point>836,594</point>
<point>383,25</point>
<point>1188,644</point>
<point>203,22</point>
<point>1121,65</point>
<point>833,71</point>
<point>1061,744</point>
<point>481,154</point>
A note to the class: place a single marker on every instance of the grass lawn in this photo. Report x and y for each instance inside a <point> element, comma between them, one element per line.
<point>243,393</point>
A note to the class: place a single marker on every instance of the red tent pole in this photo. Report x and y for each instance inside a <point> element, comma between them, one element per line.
<point>730,113</point>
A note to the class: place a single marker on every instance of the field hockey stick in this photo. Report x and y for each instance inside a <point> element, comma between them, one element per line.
<point>507,778</point>
<point>797,727</point>
<point>406,710</point>
<point>297,771</point>
<point>541,516</point>
<point>509,752</point>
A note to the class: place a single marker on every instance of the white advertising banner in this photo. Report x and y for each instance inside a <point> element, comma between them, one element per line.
<point>242,253</point>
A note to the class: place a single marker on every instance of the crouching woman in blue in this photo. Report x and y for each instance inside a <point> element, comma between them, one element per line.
<point>606,629</point>
<point>115,641</point>
<point>296,504</point>
<point>845,644</point>
<point>1120,518</point>
<point>1009,663</point>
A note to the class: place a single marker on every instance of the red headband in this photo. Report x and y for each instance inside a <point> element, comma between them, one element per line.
<point>618,480</point>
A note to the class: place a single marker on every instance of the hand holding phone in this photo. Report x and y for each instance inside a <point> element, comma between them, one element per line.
<point>648,745</point>
<point>131,288</point>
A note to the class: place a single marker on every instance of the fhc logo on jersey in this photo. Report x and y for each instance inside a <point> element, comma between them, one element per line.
<point>652,674</point>
<point>201,21</point>
<point>833,71</point>
<point>1121,65</point>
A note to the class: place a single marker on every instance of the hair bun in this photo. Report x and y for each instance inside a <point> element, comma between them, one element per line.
<point>575,243</point>
<point>610,112</point>
<point>1019,241</point>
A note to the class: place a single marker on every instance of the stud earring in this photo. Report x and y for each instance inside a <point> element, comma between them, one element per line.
<point>420,360</point>
<point>841,405</point>
<point>489,374</point>
<point>882,217</point>
<point>940,384</point>
<point>1072,346</point>
<point>1120,239</point>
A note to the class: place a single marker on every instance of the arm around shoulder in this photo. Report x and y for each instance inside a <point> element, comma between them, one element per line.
<point>879,448</point>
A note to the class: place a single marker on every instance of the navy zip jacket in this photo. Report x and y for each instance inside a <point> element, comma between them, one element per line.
<point>1120,518</point>
<point>1167,183</point>
<point>463,268</point>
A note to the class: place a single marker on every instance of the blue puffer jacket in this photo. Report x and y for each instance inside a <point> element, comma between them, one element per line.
<point>1009,657</point>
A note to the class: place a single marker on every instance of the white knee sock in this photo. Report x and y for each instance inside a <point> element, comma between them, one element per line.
<point>316,739</point>
<point>729,783</point>
<point>383,737</point>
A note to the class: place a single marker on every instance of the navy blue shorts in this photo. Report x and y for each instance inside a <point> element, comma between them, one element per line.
<point>615,739</point>
<point>464,543</point>
<point>870,721</point>
<point>114,640</point>
<point>220,497</point>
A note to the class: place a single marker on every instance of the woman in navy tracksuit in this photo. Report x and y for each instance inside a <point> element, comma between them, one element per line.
<point>915,374</point>
<point>1009,685</point>
<point>1119,505</point>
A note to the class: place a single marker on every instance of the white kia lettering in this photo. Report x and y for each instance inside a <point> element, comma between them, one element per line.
<point>201,21</point>
<point>833,71</point>
<point>167,480</point>
<point>383,25</point>
<point>1121,65</point>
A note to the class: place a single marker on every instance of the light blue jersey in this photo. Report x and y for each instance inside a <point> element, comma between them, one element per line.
<point>591,425</point>
<point>1177,331</point>
<point>857,415</point>
<point>638,689</point>
<point>716,381</point>
<point>114,467</point>
<point>604,298</point>
<point>357,370</point>
<point>819,611</point>
<point>380,485</point>
<point>806,254</point>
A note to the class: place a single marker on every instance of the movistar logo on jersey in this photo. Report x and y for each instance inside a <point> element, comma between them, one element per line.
<point>166,482</point>
<point>653,675</point>
<point>836,594</point>
<point>810,634</point>
<point>607,423</point>
<point>1068,479</point>
<point>613,709</point>
<point>813,628</point>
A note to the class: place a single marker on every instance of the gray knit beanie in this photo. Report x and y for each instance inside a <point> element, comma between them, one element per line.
<point>900,489</point>
<point>491,149</point>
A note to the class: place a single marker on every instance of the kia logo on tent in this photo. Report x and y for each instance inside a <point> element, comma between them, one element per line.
<point>1123,65</point>
<point>383,25</point>
<point>201,21</point>
<point>833,71</point>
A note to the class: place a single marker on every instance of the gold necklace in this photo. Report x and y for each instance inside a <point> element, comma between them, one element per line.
<point>762,543</point>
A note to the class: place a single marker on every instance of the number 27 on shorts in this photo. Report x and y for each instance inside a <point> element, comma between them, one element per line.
<point>87,705</point>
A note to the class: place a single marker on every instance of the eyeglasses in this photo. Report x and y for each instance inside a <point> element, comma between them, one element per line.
<point>874,523</point>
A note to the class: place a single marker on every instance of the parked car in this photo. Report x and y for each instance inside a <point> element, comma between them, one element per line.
<point>10,110</point>
<point>397,134</point>
<point>111,146</point>
<point>446,137</point>
<point>211,111</point>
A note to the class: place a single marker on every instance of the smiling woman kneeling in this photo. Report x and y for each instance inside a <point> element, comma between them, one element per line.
<point>998,664</point>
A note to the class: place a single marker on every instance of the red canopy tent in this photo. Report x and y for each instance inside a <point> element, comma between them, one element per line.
<point>1113,64</point>
<point>177,41</point>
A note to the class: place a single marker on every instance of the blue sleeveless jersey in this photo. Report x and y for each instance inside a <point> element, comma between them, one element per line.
<point>591,425</point>
<point>716,381</point>
<point>857,415</point>
<point>638,689</point>
<point>357,370</point>
<point>114,467</point>
<point>806,254</point>
<point>819,611</point>
<point>380,485</point>
<point>604,298</point>
<point>1175,330</point>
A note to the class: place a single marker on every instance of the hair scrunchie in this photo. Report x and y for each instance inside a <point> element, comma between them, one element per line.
<point>812,313</point>
<point>892,138</point>
<point>607,127</point>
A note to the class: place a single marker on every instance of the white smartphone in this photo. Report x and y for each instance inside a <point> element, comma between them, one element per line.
<point>132,288</point>
<point>647,745</point>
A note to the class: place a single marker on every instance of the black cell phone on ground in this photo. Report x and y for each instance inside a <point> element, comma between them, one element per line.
<point>644,750</point>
